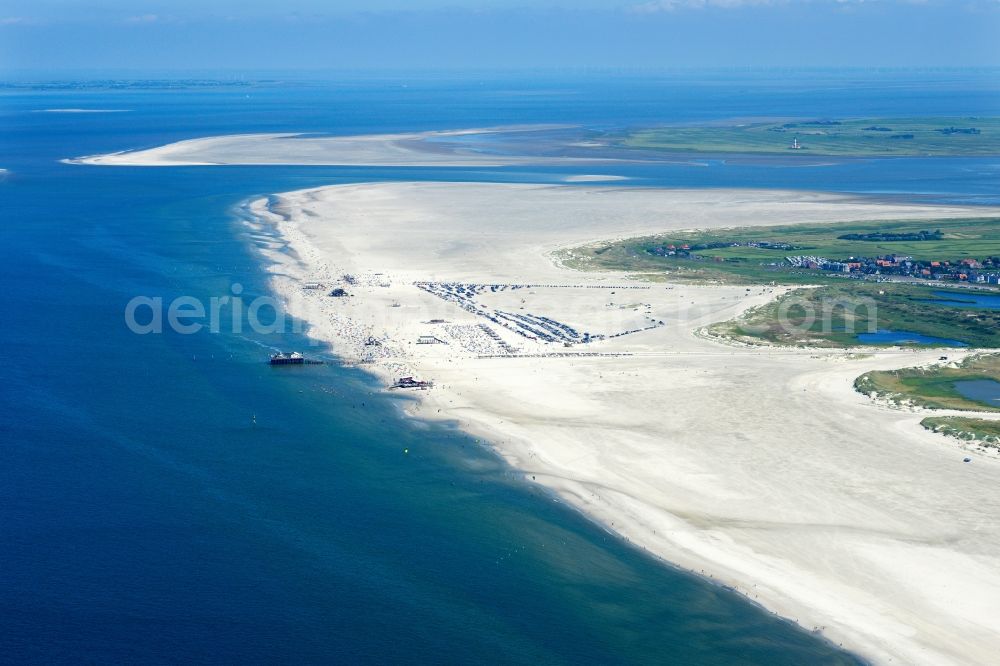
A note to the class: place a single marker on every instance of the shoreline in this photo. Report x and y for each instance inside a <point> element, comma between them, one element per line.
<point>679,504</point>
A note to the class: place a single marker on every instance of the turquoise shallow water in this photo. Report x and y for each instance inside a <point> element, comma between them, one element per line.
<point>148,519</point>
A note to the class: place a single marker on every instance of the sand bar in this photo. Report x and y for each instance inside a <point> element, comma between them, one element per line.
<point>759,467</point>
<point>444,148</point>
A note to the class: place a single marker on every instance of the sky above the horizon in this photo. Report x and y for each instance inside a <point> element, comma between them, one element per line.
<point>251,35</point>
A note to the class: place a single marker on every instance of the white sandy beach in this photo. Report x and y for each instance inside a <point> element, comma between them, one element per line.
<point>759,467</point>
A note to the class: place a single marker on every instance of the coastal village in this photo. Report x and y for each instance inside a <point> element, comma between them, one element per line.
<point>893,265</point>
<point>888,266</point>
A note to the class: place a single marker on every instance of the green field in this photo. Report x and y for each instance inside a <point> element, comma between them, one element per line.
<point>849,138</point>
<point>975,238</point>
<point>797,318</point>
<point>981,431</point>
<point>934,387</point>
<point>905,306</point>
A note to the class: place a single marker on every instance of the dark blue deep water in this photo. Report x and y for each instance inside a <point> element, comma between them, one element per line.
<point>145,518</point>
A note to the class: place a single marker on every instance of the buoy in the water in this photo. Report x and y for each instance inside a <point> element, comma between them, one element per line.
<point>406,450</point>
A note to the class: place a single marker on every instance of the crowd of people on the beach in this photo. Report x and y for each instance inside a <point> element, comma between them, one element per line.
<point>483,340</point>
<point>479,339</point>
<point>528,325</point>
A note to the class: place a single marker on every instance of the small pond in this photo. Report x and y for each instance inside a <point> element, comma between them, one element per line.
<point>966,300</point>
<point>981,390</point>
<point>891,337</point>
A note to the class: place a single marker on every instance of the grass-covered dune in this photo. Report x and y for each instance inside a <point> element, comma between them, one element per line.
<point>942,136</point>
<point>833,315</point>
<point>933,387</point>
<point>983,431</point>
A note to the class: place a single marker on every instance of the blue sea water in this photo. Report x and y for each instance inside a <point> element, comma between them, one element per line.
<point>147,518</point>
